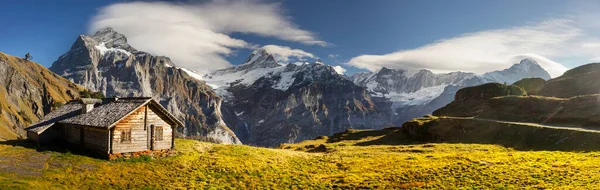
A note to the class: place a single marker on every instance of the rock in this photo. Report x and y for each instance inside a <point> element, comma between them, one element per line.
<point>30,92</point>
<point>105,62</point>
<point>410,94</point>
<point>268,104</point>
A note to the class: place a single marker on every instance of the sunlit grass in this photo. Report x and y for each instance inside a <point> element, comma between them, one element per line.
<point>346,165</point>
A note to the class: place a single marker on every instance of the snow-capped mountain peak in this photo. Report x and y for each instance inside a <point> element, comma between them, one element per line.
<point>259,58</point>
<point>261,64</point>
<point>525,67</point>
<point>412,93</point>
<point>105,62</point>
<point>112,39</point>
<point>526,64</point>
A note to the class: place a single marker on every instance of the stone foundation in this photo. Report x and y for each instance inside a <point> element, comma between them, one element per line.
<point>151,153</point>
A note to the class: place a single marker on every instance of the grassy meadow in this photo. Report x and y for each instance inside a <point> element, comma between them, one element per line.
<point>349,160</point>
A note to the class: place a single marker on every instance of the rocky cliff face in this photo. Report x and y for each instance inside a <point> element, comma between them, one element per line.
<point>29,91</point>
<point>105,62</point>
<point>411,94</point>
<point>267,103</point>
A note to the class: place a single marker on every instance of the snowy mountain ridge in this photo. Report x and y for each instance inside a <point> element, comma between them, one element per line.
<point>415,94</point>
<point>267,103</point>
<point>261,64</point>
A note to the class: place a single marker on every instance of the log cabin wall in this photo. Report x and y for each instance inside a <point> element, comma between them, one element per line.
<point>72,134</point>
<point>158,119</point>
<point>50,135</point>
<point>33,136</point>
<point>134,125</point>
<point>95,139</point>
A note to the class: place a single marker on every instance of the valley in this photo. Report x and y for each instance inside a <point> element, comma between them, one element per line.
<point>326,131</point>
<point>263,101</point>
<point>279,94</point>
<point>377,159</point>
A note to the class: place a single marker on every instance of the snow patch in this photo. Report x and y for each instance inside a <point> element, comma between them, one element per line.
<point>103,50</point>
<point>286,80</point>
<point>339,69</point>
<point>420,97</point>
<point>243,77</point>
<point>411,72</point>
<point>301,63</point>
<point>191,73</point>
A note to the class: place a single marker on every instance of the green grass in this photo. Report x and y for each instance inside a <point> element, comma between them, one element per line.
<point>531,85</point>
<point>347,164</point>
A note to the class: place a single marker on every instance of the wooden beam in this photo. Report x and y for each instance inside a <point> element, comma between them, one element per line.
<point>148,133</point>
<point>173,137</point>
<point>109,142</point>
<point>152,137</point>
<point>81,136</point>
<point>112,138</point>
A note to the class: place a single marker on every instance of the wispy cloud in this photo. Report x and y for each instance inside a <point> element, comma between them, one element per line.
<point>284,53</point>
<point>339,69</point>
<point>489,50</point>
<point>197,35</point>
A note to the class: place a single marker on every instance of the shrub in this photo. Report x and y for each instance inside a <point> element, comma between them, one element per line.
<point>90,94</point>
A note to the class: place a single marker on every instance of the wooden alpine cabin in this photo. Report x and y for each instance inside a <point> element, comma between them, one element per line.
<point>112,126</point>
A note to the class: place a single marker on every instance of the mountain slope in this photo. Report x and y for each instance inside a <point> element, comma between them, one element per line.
<point>527,68</point>
<point>576,104</point>
<point>582,80</point>
<point>416,93</point>
<point>29,91</point>
<point>267,103</point>
<point>105,62</point>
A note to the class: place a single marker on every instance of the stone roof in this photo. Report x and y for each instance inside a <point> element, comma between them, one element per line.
<point>108,112</point>
<point>68,110</point>
<point>105,114</point>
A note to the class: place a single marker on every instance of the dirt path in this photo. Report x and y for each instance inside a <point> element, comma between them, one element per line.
<point>22,161</point>
<point>574,128</point>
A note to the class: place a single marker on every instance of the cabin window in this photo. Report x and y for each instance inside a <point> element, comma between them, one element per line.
<point>158,133</point>
<point>125,135</point>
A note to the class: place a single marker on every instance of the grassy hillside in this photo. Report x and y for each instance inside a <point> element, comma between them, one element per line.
<point>344,161</point>
<point>471,101</point>
<point>531,85</point>
<point>511,103</point>
<point>579,111</point>
<point>521,136</point>
<point>582,80</point>
<point>28,91</point>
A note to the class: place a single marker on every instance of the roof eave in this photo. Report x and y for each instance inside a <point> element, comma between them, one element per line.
<point>166,112</point>
<point>160,107</point>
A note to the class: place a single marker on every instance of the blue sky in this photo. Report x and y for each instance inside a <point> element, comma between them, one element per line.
<point>356,35</point>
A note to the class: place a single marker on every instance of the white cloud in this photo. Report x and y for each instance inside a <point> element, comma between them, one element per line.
<point>333,56</point>
<point>284,53</point>
<point>490,50</point>
<point>339,69</point>
<point>197,35</point>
